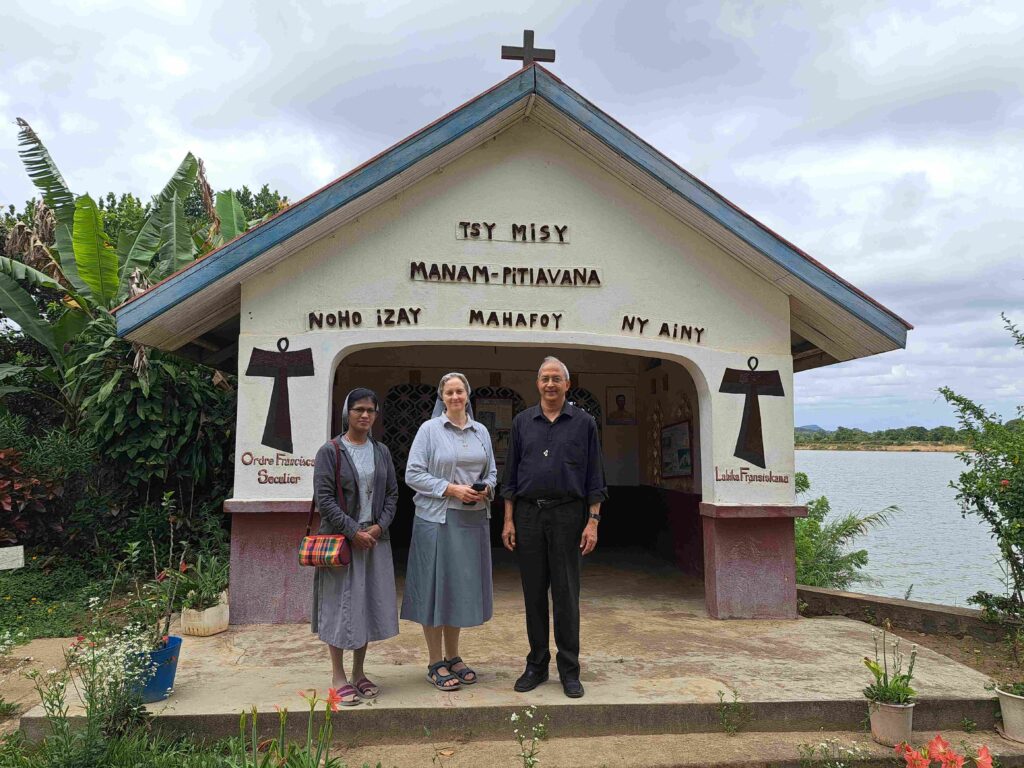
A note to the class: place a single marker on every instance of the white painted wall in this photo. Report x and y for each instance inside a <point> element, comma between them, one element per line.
<point>651,265</point>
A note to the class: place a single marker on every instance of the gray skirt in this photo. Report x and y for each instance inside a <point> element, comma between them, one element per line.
<point>448,580</point>
<point>357,605</point>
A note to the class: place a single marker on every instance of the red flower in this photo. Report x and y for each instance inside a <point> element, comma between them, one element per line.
<point>78,639</point>
<point>161,576</point>
<point>937,747</point>
<point>182,566</point>
<point>333,699</point>
<point>913,758</point>
<point>984,759</point>
<point>951,759</point>
<point>1004,483</point>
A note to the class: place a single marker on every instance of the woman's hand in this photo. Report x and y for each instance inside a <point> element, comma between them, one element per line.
<point>463,493</point>
<point>363,540</point>
<point>376,531</point>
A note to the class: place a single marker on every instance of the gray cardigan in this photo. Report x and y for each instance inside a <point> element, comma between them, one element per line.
<point>431,467</point>
<point>385,490</point>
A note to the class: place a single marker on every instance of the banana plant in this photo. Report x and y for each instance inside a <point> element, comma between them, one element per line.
<point>94,275</point>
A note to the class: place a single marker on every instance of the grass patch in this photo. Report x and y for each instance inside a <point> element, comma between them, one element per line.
<point>47,603</point>
<point>8,708</point>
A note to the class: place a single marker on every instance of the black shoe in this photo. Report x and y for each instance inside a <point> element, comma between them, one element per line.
<point>572,687</point>
<point>530,679</point>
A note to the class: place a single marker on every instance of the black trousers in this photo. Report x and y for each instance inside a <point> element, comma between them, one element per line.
<point>548,551</point>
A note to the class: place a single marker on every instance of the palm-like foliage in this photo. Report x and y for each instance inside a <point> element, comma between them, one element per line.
<point>823,554</point>
<point>88,274</point>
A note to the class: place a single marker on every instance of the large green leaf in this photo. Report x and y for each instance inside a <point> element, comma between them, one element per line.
<point>139,249</point>
<point>43,172</point>
<point>96,260</point>
<point>20,271</point>
<point>17,304</point>
<point>176,246</point>
<point>70,325</point>
<point>136,250</point>
<point>232,217</point>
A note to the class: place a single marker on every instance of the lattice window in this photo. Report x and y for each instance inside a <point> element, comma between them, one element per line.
<point>406,406</point>
<point>585,401</point>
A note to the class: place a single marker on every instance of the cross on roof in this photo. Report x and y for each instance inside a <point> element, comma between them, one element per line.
<point>527,52</point>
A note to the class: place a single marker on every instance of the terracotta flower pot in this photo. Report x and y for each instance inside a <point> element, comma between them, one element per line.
<point>891,724</point>
<point>1011,708</point>
<point>209,621</point>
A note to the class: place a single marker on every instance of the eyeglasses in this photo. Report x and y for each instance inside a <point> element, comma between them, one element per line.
<point>363,411</point>
<point>550,379</point>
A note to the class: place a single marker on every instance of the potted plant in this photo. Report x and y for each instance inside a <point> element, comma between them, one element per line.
<point>890,697</point>
<point>204,598</point>
<point>147,616</point>
<point>1011,709</point>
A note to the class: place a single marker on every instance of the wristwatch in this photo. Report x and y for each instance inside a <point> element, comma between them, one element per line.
<point>595,516</point>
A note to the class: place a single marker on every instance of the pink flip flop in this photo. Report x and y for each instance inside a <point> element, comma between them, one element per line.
<point>348,690</point>
<point>364,684</point>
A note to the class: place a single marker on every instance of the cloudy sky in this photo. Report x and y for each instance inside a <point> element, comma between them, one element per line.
<point>888,141</point>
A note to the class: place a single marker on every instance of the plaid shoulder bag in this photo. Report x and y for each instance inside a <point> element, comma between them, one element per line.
<point>330,550</point>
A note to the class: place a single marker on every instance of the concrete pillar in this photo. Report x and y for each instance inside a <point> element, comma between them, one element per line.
<point>268,586</point>
<point>750,560</point>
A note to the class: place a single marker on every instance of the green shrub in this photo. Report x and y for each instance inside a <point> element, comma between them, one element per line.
<point>823,557</point>
<point>47,603</point>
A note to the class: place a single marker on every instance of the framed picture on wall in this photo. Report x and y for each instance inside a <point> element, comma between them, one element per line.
<point>496,413</point>
<point>620,408</point>
<point>676,450</point>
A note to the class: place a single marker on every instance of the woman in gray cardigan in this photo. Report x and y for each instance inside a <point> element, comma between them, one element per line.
<point>356,605</point>
<point>448,580</point>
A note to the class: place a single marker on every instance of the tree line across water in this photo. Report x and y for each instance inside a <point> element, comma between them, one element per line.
<point>814,435</point>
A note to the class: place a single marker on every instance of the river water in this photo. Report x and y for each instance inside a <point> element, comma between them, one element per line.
<point>928,544</point>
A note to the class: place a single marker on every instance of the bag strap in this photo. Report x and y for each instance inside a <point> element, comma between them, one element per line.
<point>337,488</point>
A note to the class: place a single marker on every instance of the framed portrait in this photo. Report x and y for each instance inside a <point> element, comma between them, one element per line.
<point>496,413</point>
<point>676,450</point>
<point>620,406</point>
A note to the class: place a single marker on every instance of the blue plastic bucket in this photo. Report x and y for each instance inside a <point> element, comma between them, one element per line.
<point>165,664</point>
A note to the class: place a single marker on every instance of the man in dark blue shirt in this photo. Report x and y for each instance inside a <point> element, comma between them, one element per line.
<point>553,487</point>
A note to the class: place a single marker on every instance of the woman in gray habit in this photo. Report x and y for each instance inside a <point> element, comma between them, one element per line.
<point>356,605</point>
<point>448,579</point>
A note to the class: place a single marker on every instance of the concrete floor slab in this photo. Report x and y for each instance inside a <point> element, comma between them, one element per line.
<point>652,662</point>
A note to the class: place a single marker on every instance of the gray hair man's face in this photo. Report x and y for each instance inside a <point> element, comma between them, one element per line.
<point>552,384</point>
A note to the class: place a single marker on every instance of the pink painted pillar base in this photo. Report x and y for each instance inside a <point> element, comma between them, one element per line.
<point>750,561</point>
<point>268,586</point>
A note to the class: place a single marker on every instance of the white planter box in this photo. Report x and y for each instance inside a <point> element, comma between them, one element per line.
<point>206,622</point>
<point>891,724</point>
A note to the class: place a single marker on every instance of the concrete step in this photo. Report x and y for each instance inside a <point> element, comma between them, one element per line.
<point>471,715</point>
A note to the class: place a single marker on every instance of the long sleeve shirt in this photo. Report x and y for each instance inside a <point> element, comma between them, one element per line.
<point>433,461</point>
<point>333,519</point>
<point>554,459</point>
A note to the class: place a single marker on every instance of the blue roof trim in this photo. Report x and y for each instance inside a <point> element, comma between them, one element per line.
<point>642,154</point>
<point>446,130</point>
<point>209,270</point>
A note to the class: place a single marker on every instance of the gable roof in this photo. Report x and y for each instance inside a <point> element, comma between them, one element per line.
<point>195,311</point>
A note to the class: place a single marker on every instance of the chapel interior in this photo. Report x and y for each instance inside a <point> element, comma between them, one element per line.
<point>640,404</point>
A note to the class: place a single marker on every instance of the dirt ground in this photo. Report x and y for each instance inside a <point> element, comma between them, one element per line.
<point>43,654</point>
<point>992,659</point>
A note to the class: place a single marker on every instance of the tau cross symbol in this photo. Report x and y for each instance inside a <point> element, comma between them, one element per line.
<point>527,53</point>
<point>749,444</point>
<point>280,366</point>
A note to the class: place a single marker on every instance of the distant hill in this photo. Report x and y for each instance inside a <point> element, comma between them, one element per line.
<point>810,428</point>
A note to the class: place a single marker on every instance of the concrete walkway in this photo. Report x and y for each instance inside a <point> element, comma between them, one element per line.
<point>652,663</point>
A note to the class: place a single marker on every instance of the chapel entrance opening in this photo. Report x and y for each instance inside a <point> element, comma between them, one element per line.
<point>646,410</point>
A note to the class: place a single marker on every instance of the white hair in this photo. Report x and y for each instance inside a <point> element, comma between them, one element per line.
<point>548,361</point>
<point>448,377</point>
